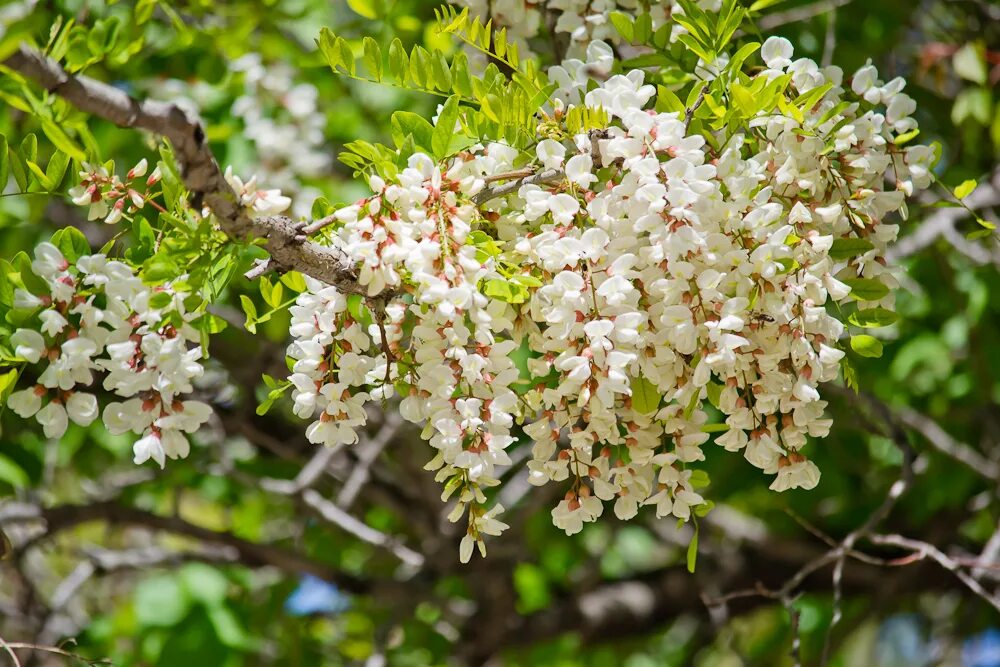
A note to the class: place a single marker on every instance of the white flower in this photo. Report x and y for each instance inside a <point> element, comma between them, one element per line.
<point>776,52</point>
<point>82,408</point>
<point>27,402</point>
<point>148,447</point>
<point>53,419</point>
<point>28,344</point>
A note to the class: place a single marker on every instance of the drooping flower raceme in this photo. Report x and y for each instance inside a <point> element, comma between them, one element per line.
<point>603,310</point>
<point>94,318</point>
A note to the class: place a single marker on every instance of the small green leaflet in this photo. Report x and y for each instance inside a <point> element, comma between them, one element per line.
<point>692,552</point>
<point>866,289</point>
<point>866,346</point>
<point>445,128</point>
<point>850,247</point>
<point>645,397</point>
<point>872,318</point>
<point>965,188</point>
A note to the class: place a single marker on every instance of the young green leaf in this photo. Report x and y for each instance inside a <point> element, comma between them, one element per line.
<point>445,128</point>
<point>373,58</point>
<point>965,188</point>
<point>866,289</point>
<point>872,318</point>
<point>866,346</point>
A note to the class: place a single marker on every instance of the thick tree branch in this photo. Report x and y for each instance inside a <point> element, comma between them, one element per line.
<point>63,517</point>
<point>201,173</point>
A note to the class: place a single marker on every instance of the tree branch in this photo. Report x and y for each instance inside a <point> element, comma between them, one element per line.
<point>63,517</point>
<point>201,173</point>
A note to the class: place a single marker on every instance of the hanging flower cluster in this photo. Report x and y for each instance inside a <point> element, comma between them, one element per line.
<point>656,274</point>
<point>110,198</point>
<point>93,317</point>
<point>581,21</point>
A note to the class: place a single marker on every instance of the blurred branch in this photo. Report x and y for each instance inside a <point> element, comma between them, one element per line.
<point>942,223</point>
<point>804,13</point>
<point>63,517</point>
<point>921,550</point>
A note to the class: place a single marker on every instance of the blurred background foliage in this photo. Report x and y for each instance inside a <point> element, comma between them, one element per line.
<point>273,107</point>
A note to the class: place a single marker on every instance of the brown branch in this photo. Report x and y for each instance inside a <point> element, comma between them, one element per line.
<point>201,173</point>
<point>64,517</point>
<point>920,550</point>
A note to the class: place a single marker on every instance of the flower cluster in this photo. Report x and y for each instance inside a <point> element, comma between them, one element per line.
<point>582,21</point>
<point>658,280</point>
<point>95,316</point>
<point>110,198</point>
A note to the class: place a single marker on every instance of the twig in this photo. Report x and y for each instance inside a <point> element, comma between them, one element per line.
<point>830,39</point>
<point>772,21</point>
<point>10,650</point>
<point>63,517</point>
<point>314,227</point>
<point>689,113</point>
<point>492,192</point>
<point>330,512</point>
<point>923,550</point>
<point>53,650</point>
<point>941,221</point>
<point>368,453</point>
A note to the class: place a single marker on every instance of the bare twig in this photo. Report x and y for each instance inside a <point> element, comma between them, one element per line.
<point>53,650</point>
<point>778,19</point>
<point>63,517</point>
<point>921,550</point>
<point>689,112</point>
<point>942,221</point>
<point>330,512</point>
<point>366,457</point>
<point>547,176</point>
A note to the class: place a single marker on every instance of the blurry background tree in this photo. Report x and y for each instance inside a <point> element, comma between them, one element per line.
<point>262,549</point>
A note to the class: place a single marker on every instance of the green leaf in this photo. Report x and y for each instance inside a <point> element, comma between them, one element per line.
<point>365,8</point>
<point>72,243</point>
<point>204,583</point>
<point>872,318</point>
<point>399,62</point>
<point>251,312</point>
<point>445,128</point>
<point>965,188</point>
<point>6,287</point>
<point>407,123</point>
<point>970,64</point>
<point>667,101</point>
<point>373,58</point>
<point>623,24</point>
<point>866,346</point>
<point>645,397</point>
<point>4,162</point>
<point>866,289</point>
<point>692,551</point>
<point>850,247</point>
<point>160,601</point>
<point>61,140</point>
<point>10,471</point>
<point>346,55</point>
<point>763,4</point>
<point>906,136</point>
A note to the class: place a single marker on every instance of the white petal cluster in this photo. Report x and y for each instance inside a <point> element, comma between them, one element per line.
<point>582,21</point>
<point>97,317</point>
<point>108,196</point>
<point>659,275</point>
